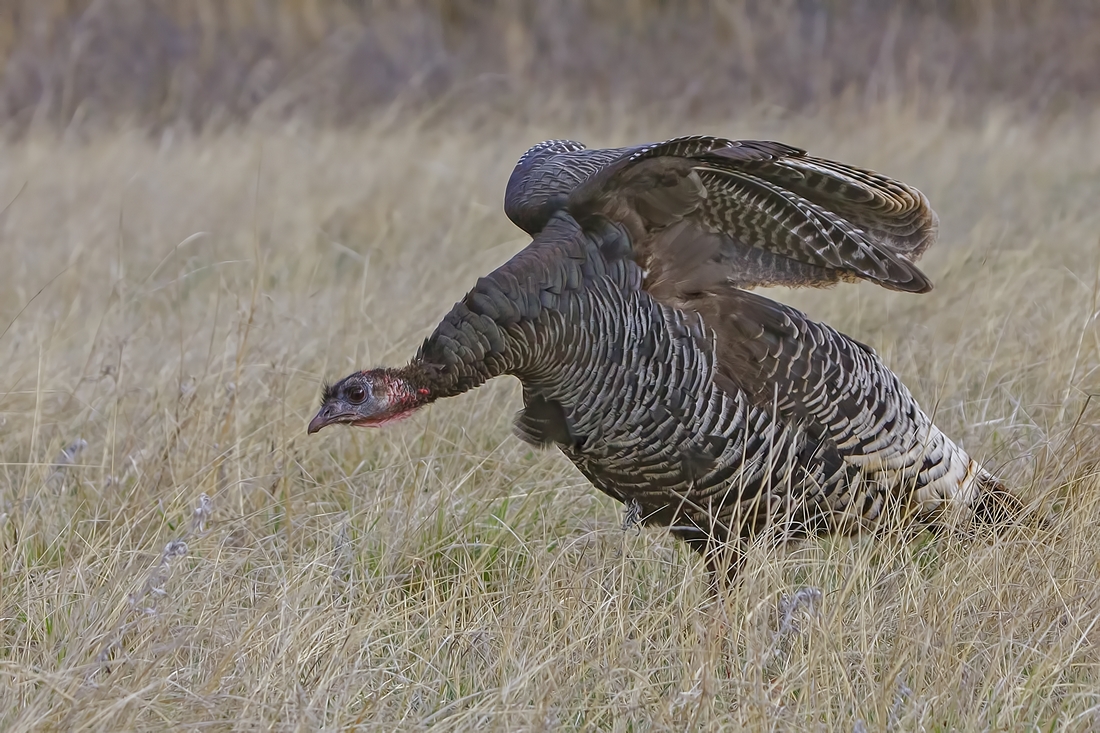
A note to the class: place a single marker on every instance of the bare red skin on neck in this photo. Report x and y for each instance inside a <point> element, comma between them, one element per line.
<point>401,397</point>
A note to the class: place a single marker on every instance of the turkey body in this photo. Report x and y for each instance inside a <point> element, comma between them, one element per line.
<point>632,392</point>
<point>710,410</point>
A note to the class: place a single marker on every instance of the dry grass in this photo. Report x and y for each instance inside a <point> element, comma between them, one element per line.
<point>174,305</point>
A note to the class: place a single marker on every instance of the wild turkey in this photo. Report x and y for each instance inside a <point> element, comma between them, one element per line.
<point>708,409</point>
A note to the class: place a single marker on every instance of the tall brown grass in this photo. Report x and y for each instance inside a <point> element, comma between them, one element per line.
<point>175,550</point>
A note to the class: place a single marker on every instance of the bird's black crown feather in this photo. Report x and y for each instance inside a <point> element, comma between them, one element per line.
<point>328,392</point>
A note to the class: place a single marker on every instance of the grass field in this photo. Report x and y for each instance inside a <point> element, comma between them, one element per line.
<point>175,551</point>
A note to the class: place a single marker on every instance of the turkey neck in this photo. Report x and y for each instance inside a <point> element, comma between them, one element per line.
<point>501,324</point>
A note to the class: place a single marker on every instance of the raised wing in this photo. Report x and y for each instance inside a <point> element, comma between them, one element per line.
<point>748,213</point>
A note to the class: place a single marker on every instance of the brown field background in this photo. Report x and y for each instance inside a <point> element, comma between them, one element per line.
<point>205,64</point>
<point>209,207</point>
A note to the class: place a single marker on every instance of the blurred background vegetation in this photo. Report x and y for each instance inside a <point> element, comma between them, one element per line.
<point>194,65</point>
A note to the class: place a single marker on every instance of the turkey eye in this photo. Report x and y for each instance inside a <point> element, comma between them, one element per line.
<point>356,394</point>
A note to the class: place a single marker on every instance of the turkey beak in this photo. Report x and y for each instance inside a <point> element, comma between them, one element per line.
<point>327,415</point>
